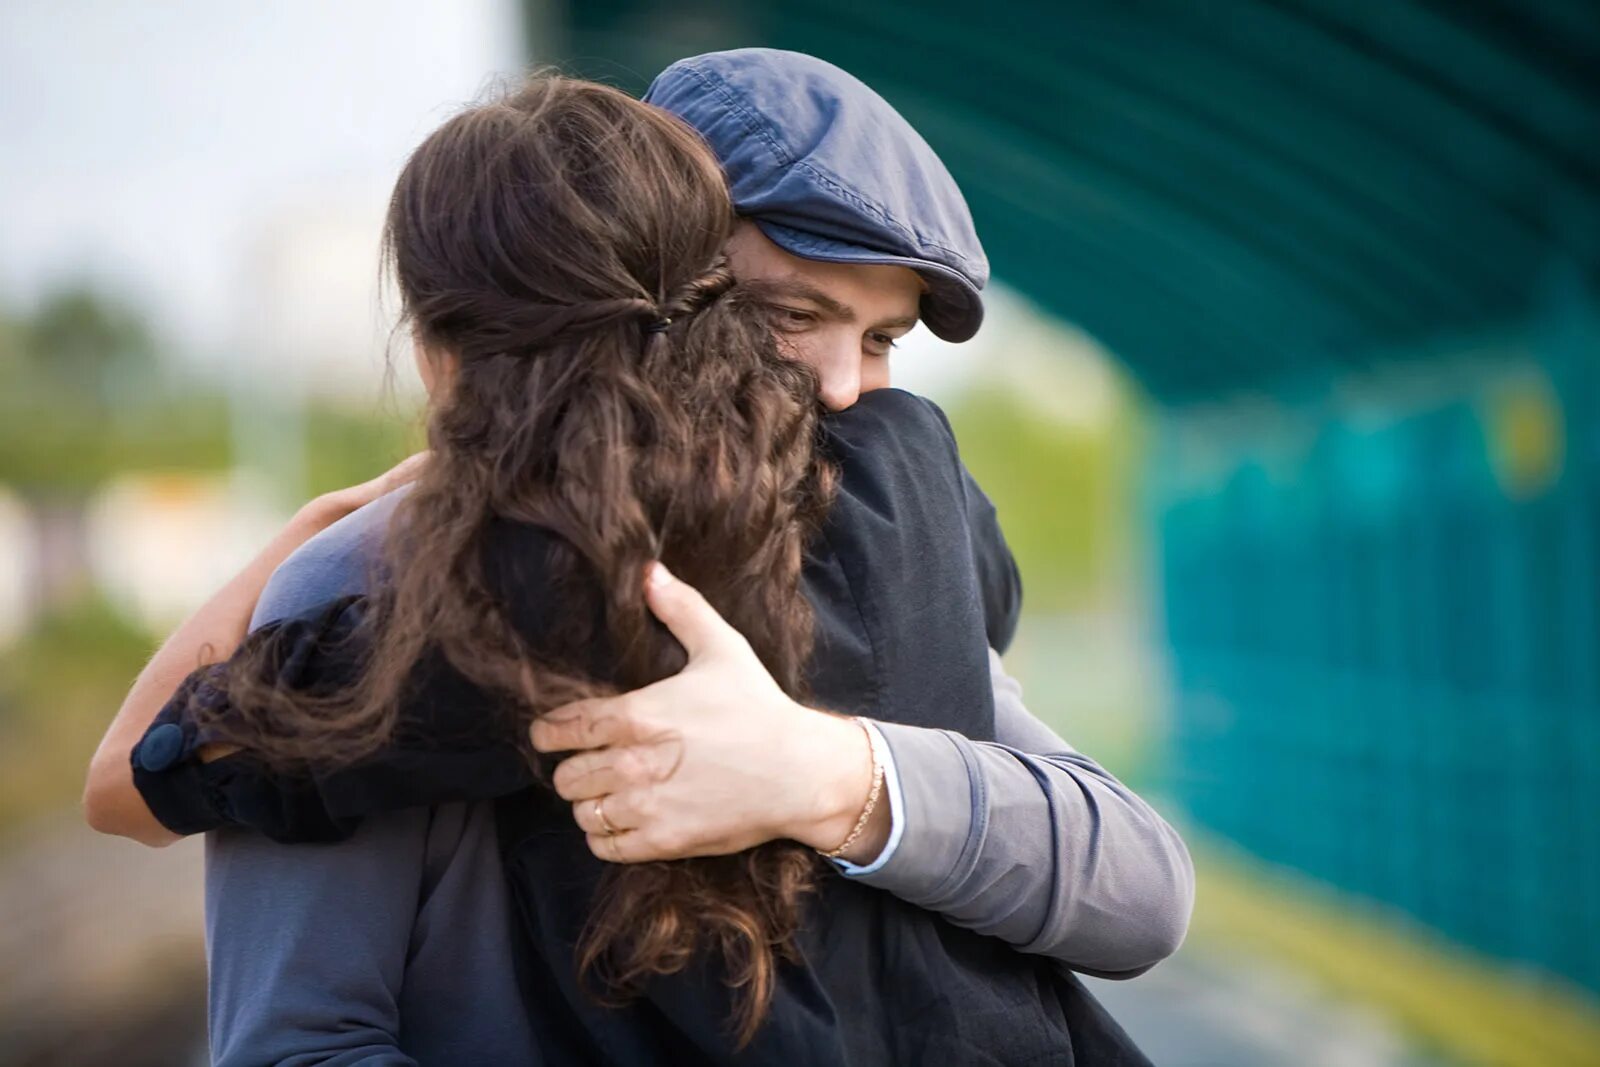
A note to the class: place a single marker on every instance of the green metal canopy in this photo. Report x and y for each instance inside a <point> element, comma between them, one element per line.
<point>1227,195</point>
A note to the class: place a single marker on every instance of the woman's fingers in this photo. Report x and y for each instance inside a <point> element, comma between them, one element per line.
<point>341,502</point>
<point>407,470</point>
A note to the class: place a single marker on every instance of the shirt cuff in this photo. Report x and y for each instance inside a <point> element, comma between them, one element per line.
<point>945,812</point>
<point>166,770</point>
<point>891,786</point>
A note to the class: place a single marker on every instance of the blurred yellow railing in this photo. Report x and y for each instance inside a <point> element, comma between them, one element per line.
<point>1469,1005</point>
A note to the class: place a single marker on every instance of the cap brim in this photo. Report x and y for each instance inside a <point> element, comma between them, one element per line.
<point>952,307</point>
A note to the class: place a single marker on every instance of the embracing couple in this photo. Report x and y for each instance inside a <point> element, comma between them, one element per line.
<point>654,714</point>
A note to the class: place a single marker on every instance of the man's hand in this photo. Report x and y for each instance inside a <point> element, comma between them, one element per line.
<point>713,760</point>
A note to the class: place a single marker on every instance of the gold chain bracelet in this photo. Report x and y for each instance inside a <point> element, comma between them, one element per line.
<point>872,797</point>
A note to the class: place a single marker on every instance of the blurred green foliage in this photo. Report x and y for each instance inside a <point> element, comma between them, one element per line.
<point>85,398</point>
<point>59,686</point>
<point>1063,495</point>
<point>345,447</point>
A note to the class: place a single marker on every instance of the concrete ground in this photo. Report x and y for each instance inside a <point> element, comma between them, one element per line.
<point>94,925</point>
<point>1203,1009</point>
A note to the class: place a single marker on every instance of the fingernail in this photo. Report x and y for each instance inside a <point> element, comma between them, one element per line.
<point>659,576</point>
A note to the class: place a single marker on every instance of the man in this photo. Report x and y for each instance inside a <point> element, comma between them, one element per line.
<point>857,229</point>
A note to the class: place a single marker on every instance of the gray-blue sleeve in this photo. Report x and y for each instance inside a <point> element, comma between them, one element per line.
<point>390,948</point>
<point>389,945</point>
<point>1043,847</point>
<point>307,944</point>
<point>334,563</point>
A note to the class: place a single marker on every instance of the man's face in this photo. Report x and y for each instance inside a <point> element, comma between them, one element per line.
<point>841,318</point>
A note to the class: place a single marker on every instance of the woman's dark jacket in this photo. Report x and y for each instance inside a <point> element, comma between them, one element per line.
<point>911,582</point>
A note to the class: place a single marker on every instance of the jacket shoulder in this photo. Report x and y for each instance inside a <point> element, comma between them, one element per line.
<point>334,563</point>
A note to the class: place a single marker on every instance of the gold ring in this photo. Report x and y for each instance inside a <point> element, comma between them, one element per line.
<point>600,816</point>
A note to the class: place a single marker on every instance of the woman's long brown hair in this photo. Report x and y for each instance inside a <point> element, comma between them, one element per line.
<point>536,237</point>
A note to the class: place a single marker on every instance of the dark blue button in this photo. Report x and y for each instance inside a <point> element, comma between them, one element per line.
<point>161,747</point>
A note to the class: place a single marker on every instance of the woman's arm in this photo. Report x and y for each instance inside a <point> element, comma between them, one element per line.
<point>111,803</point>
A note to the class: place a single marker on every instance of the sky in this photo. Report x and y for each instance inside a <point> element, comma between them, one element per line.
<point>154,147</point>
<point>225,166</point>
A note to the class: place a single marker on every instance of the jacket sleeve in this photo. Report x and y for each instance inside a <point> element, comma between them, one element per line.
<point>1044,849</point>
<point>427,767</point>
<point>307,946</point>
<point>999,579</point>
<point>386,949</point>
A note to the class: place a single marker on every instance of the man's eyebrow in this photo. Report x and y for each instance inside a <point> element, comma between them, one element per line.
<point>799,288</point>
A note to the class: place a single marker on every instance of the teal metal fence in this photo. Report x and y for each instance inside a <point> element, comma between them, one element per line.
<point>1380,590</point>
<point>1382,613</point>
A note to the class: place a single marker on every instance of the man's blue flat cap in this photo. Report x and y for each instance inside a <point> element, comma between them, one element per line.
<point>830,171</point>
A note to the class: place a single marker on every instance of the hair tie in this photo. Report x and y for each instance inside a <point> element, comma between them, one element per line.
<point>658,326</point>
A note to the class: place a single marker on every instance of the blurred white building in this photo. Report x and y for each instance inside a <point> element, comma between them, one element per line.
<point>16,567</point>
<point>160,545</point>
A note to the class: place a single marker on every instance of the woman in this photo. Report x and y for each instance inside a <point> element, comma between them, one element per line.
<point>610,398</point>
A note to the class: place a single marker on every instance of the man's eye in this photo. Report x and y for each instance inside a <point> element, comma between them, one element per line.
<point>881,343</point>
<point>791,318</point>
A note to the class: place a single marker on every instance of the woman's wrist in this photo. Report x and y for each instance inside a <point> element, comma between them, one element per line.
<point>320,512</point>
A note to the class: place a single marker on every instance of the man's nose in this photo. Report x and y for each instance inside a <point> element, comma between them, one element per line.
<point>841,380</point>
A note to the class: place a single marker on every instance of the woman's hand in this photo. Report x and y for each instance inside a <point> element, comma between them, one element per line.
<point>713,760</point>
<point>332,506</point>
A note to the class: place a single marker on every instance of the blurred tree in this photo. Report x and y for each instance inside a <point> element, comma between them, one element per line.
<point>84,398</point>
<point>76,374</point>
<point>11,354</point>
<point>95,351</point>
<point>59,686</point>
